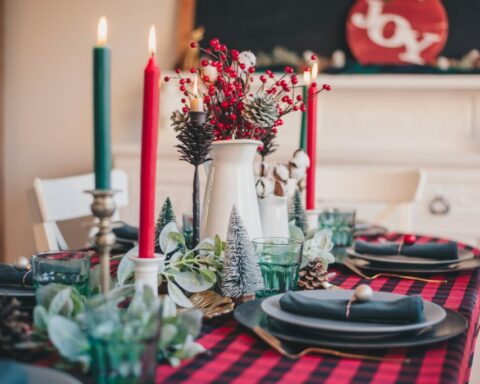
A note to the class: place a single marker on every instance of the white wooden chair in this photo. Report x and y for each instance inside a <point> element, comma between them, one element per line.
<point>396,190</point>
<point>56,200</point>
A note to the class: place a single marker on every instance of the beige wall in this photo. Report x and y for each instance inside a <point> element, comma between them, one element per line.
<point>47,93</point>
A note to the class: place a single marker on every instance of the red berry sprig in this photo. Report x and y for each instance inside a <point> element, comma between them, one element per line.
<point>225,95</point>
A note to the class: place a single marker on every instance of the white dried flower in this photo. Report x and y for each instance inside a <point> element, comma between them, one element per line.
<point>319,247</point>
<point>300,159</point>
<point>247,58</point>
<point>264,187</point>
<point>297,173</point>
<point>211,72</point>
<point>281,172</point>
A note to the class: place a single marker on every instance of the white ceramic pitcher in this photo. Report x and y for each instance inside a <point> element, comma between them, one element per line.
<point>231,182</point>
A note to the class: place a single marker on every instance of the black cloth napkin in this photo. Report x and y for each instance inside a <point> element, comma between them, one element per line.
<point>125,231</point>
<point>434,251</point>
<point>15,276</point>
<point>406,310</point>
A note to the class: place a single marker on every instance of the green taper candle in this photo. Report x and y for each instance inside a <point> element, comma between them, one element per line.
<point>101,109</point>
<point>303,129</point>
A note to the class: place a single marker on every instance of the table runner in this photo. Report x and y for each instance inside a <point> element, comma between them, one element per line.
<point>237,356</point>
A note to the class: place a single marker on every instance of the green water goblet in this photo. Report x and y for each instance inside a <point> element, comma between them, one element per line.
<point>279,259</point>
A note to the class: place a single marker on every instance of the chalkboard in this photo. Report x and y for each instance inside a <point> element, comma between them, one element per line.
<point>318,25</point>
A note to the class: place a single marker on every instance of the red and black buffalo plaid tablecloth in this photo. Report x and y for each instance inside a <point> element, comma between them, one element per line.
<point>237,356</point>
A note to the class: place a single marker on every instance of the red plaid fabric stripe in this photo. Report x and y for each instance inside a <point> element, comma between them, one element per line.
<point>236,356</point>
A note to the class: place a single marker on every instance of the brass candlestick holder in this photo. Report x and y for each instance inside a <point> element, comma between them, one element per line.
<point>103,208</point>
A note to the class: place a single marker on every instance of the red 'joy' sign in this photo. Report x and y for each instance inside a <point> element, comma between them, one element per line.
<point>397,31</point>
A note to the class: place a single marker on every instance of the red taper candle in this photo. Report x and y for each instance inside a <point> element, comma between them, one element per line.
<point>311,144</point>
<point>148,171</point>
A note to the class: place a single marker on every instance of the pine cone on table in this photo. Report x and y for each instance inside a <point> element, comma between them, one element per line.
<point>313,275</point>
<point>14,328</point>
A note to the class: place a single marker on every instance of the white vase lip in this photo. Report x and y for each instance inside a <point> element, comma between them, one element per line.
<point>237,141</point>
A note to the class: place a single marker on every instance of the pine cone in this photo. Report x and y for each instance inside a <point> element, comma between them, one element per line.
<point>313,275</point>
<point>260,111</point>
<point>14,328</point>
<point>195,143</point>
<point>179,120</point>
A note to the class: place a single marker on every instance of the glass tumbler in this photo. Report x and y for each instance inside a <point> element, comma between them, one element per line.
<point>62,267</point>
<point>279,259</point>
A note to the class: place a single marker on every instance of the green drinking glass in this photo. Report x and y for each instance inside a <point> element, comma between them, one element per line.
<point>62,267</point>
<point>279,259</point>
<point>342,224</point>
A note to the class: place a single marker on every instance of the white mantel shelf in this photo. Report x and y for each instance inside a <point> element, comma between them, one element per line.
<point>402,81</point>
<point>393,81</point>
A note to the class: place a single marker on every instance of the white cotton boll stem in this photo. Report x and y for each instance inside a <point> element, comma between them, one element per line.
<point>261,169</point>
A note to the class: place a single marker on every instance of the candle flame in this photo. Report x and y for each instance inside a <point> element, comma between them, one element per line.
<point>306,76</point>
<point>152,41</point>
<point>314,71</point>
<point>102,31</point>
<point>195,86</point>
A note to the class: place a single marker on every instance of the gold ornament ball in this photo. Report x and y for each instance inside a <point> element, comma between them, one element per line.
<point>363,293</point>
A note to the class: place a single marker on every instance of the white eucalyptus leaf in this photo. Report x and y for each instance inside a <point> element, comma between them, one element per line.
<point>191,349</point>
<point>169,331</point>
<point>46,293</point>
<point>191,281</point>
<point>174,361</point>
<point>68,338</point>
<point>296,233</point>
<point>166,242</point>
<point>61,303</point>
<point>169,307</point>
<point>178,296</point>
<point>191,320</point>
<point>40,319</point>
<point>126,268</point>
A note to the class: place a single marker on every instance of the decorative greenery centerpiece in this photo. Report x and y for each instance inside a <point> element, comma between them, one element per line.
<point>113,330</point>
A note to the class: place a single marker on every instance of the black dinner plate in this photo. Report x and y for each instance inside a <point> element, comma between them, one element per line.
<point>251,315</point>
<point>380,267</point>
